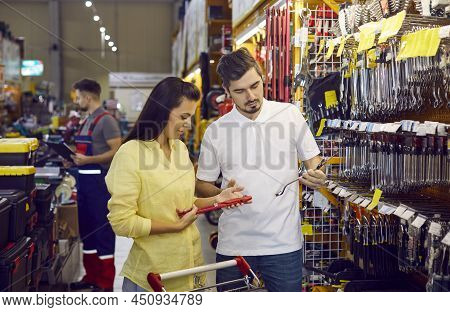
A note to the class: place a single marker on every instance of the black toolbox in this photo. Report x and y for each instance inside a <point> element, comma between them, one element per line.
<point>15,266</point>
<point>18,216</point>
<point>19,178</point>
<point>5,213</point>
<point>40,239</point>
<point>43,201</point>
<point>50,227</point>
<point>18,151</point>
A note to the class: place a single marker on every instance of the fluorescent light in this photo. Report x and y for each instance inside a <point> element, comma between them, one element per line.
<point>111,44</point>
<point>96,18</point>
<point>211,62</point>
<point>107,37</point>
<point>102,29</point>
<point>114,49</point>
<point>251,33</point>
<point>88,4</point>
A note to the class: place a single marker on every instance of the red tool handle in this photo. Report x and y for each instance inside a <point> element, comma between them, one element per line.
<point>221,205</point>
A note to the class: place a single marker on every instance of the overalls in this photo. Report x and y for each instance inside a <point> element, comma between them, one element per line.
<point>95,231</point>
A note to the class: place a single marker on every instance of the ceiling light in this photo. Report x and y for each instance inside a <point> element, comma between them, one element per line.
<point>114,49</point>
<point>88,4</point>
<point>211,62</point>
<point>111,44</point>
<point>102,29</point>
<point>96,18</point>
<point>107,37</point>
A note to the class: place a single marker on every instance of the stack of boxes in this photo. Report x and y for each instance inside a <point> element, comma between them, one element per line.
<point>27,223</point>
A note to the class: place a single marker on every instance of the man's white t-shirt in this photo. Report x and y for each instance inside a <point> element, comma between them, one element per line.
<point>261,155</point>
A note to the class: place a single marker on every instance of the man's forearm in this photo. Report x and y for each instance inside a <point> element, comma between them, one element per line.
<point>206,189</point>
<point>102,158</point>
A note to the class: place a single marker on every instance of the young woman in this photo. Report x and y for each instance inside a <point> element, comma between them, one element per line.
<point>151,178</point>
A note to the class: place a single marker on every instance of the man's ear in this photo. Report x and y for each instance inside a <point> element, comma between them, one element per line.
<point>227,91</point>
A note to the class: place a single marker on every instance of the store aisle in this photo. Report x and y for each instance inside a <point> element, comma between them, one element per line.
<point>123,246</point>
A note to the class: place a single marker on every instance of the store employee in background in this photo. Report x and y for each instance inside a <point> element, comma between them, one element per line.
<point>96,143</point>
<point>258,145</point>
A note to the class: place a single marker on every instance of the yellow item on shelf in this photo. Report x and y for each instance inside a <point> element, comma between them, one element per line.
<point>330,50</point>
<point>411,45</point>
<point>391,26</point>
<point>18,145</point>
<point>321,127</point>
<point>367,35</point>
<point>375,199</point>
<point>341,47</point>
<point>17,170</point>
<point>330,99</point>
<point>307,229</point>
<point>11,135</point>
<point>55,122</point>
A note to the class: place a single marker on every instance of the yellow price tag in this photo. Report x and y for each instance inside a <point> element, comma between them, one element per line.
<point>330,98</point>
<point>391,26</point>
<point>375,199</point>
<point>321,127</point>
<point>330,50</point>
<point>307,229</point>
<point>27,207</point>
<point>341,47</point>
<point>321,45</point>
<point>412,45</point>
<point>367,35</point>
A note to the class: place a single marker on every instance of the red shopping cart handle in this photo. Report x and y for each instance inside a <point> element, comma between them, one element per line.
<point>225,204</point>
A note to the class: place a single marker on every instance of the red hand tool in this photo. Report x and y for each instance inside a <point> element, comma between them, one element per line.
<point>225,204</point>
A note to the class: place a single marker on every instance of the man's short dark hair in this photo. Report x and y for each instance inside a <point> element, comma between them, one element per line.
<point>88,85</point>
<point>233,66</point>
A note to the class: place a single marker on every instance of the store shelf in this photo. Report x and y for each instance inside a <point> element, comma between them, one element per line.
<point>219,21</point>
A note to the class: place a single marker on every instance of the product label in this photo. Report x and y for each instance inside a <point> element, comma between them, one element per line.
<point>435,229</point>
<point>418,222</point>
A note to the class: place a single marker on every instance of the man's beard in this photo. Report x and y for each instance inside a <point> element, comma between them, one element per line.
<point>83,109</point>
<point>252,110</point>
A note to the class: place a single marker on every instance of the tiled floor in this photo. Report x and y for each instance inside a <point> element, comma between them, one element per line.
<point>123,246</point>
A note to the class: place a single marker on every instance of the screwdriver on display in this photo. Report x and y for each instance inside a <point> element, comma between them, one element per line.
<point>217,206</point>
<point>300,171</point>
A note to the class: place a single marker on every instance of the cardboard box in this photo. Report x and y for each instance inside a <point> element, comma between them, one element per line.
<point>67,216</point>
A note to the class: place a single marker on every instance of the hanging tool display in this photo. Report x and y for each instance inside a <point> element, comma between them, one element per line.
<point>405,235</point>
<point>396,159</point>
<point>278,66</point>
<point>391,87</point>
<point>351,16</point>
<point>303,77</point>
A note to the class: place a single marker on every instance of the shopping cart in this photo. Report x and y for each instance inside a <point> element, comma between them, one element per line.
<point>156,280</point>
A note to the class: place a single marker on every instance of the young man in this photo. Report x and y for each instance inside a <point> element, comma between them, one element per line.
<point>96,143</point>
<point>258,145</point>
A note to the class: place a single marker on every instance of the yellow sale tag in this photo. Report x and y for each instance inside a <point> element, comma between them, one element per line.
<point>307,229</point>
<point>367,35</point>
<point>375,199</point>
<point>321,127</point>
<point>330,50</point>
<point>27,207</point>
<point>330,98</point>
<point>321,45</point>
<point>411,45</point>
<point>391,26</point>
<point>341,47</point>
